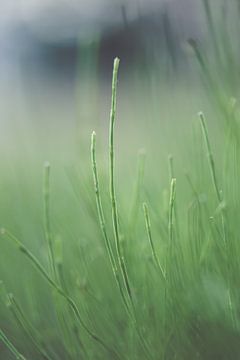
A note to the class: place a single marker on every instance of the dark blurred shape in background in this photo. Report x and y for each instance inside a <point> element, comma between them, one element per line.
<point>48,38</point>
<point>56,61</point>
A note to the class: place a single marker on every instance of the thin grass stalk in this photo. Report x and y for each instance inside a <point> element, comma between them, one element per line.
<point>198,203</point>
<point>210,156</point>
<point>221,207</point>
<point>167,298</point>
<point>102,220</point>
<point>169,249</point>
<point>202,62</point>
<point>171,210</point>
<point>47,223</point>
<point>58,254</point>
<point>130,309</point>
<point>54,266</point>
<point>149,233</point>
<point>67,330</point>
<point>172,176</point>
<point>115,219</point>
<point>211,27</point>
<point>210,80</point>
<point>26,326</point>
<point>10,346</point>
<point>51,249</point>
<point>170,167</point>
<point>170,231</point>
<point>213,173</point>
<point>59,290</point>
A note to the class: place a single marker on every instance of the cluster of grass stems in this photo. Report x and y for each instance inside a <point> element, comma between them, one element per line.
<point>167,265</point>
<point>171,289</point>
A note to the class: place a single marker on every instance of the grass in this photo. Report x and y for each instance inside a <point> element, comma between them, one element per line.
<point>112,265</point>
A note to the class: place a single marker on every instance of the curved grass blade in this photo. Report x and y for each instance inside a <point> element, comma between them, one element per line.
<point>47,224</point>
<point>115,219</point>
<point>221,208</point>
<point>149,232</point>
<point>10,346</point>
<point>26,326</point>
<point>102,221</point>
<point>171,210</point>
<point>59,290</point>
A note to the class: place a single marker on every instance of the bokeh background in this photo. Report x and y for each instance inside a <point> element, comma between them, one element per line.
<point>56,62</point>
<point>55,83</point>
<point>177,57</point>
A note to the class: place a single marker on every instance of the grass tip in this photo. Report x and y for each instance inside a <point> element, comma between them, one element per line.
<point>142,152</point>
<point>93,137</point>
<point>9,300</point>
<point>192,42</point>
<point>2,231</point>
<point>46,164</point>
<point>173,190</point>
<point>10,296</point>
<point>144,206</point>
<point>116,61</point>
<point>93,141</point>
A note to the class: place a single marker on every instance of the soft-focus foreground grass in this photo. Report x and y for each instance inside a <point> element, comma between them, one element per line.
<point>136,261</point>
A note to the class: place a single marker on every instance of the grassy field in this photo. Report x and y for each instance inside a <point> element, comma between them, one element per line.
<point>125,245</point>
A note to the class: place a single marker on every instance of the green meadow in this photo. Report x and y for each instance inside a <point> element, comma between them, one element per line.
<point>120,218</point>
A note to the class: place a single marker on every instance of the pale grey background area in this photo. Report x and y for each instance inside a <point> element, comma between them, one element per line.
<point>51,68</point>
<point>57,20</point>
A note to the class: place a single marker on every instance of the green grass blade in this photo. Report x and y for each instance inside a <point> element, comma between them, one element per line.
<point>210,23</point>
<point>59,290</point>
<point>10,346</point>
<point>210,157</point>
<point>171,210</point>
<point>47,224</point>
<point>221,204</point>
<point>102,220</point>
<point>149,232</point>
<point>26,326</point>
<point>115,219</point>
